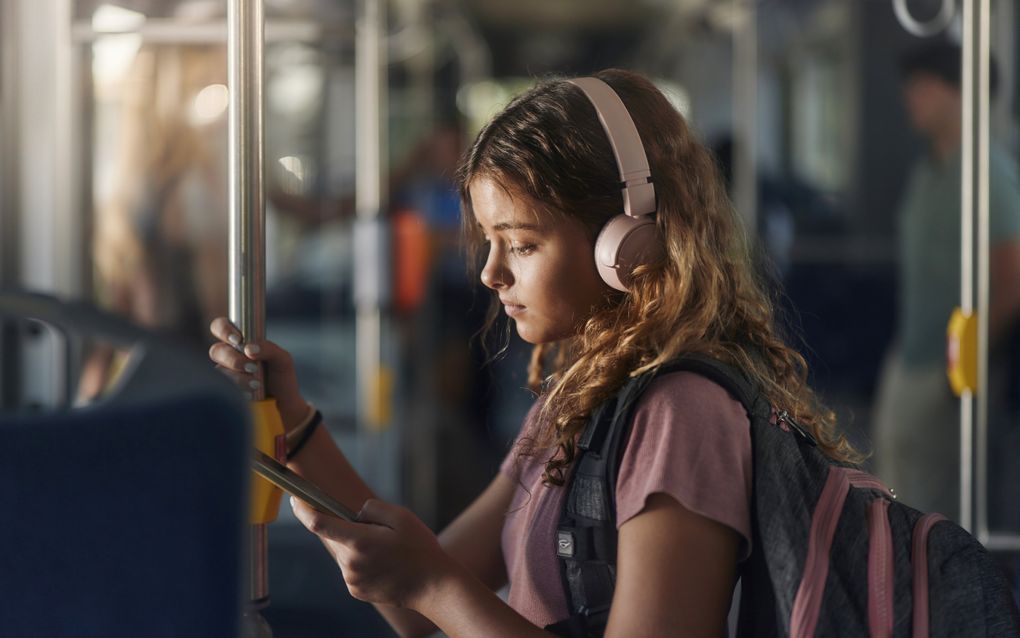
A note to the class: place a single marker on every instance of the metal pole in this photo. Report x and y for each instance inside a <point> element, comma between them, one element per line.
<point>377,442</point>
<point>975,256</point>
<point>371,262</point>
<point>247,229</point>
<point>968,170</point>
<point>983,256</point>
<point>245,167</point>
<point>10,339</point>
<point>745,114</point>
<point>1007,541</point>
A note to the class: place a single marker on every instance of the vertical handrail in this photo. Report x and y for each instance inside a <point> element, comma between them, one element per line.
<point>968,169</point>
<point>10,347</point>
<point>370,262</point>
<point>245,164</point>
<point>745,114</point>
<point>974,257</point>
<point>10,42</point>
<point>246,168</point>
<point>983,265</point>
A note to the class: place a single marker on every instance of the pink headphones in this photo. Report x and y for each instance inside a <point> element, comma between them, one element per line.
<point>630,239</point>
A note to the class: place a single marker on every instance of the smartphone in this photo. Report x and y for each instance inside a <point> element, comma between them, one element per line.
<point>282,477</point>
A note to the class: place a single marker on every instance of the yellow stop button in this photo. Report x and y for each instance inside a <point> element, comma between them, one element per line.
<point>961,352</point>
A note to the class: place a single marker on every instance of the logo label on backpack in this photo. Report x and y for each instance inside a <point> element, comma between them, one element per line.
<point>565,544</point>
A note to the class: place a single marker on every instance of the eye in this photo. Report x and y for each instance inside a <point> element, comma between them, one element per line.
<point>524,249</point>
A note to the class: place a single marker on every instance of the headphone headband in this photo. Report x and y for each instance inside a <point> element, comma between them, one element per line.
<point>638,191</point>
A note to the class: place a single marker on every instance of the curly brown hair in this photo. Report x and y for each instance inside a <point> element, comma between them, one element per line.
<point>548,147</point>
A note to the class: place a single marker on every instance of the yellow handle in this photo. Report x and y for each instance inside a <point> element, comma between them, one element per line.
<point>380,398</point>
<point>961,352</point>
<point>269,438</point>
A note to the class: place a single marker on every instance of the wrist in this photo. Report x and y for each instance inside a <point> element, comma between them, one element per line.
<point>292,412</point>
<point>447,584</point>
<point>302,433</point>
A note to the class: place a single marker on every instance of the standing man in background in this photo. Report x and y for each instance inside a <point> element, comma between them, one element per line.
<point>917,436</point>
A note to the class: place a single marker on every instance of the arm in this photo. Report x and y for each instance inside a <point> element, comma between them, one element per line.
<point>676,571</point>
<point>1004,297</point>
<point>1004,232</point>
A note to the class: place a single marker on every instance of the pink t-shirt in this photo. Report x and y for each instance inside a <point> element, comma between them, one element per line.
<point>690,439</point>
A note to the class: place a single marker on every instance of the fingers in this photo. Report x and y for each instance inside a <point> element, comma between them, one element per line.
<point>225,355</point>
<point>258,365</point>
<point>246,382</point>
<point>267,351</point>
<point>234,354</point>
<point>382,513</point>
<point>326,525</point>
<point>234,364</point>
<point>222,329</point>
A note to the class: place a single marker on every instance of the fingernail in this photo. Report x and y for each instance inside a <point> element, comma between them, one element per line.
<point>292,504</point>
<point>252,349</point>
<point>234,338</point>
<point>251,368</point>
<point>254,384</point>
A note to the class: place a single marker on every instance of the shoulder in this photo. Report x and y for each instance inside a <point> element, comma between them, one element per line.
<point>684,417</point>
<point>690,395</point>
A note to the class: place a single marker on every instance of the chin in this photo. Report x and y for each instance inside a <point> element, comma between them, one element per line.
<point>528,336</point>
<point>537,337</point>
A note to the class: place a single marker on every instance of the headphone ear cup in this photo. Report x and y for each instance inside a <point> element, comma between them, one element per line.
<point>623,244</point>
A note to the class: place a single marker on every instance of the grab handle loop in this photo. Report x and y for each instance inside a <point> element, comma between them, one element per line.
<point>927,29</point>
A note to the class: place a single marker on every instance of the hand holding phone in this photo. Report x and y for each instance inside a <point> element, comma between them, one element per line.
<point>281,476</point>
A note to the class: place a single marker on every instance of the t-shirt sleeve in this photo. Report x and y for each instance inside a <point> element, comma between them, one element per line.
<point>691,440</point>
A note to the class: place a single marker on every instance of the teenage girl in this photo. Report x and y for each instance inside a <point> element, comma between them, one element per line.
<point>538,186</point>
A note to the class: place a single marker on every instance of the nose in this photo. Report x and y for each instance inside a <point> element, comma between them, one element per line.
<point>495,274</point>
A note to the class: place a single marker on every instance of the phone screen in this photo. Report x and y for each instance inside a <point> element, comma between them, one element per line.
<point>282,477</point>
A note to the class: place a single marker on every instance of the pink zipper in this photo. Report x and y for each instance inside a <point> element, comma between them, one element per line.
<point>880,570</point>
<point>808,602</point>
<point>919,559</point>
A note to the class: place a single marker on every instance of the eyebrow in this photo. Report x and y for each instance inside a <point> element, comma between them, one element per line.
<point>513,226</point>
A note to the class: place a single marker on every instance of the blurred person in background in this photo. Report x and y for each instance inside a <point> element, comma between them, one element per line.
<point>442,309</point>
<point>917,435</point>
<point>160,235</point>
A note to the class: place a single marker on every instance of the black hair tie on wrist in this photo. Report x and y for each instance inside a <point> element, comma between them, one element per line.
<point>306,435</point>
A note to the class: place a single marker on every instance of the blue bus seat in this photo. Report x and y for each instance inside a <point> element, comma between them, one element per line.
<point>127,518</point>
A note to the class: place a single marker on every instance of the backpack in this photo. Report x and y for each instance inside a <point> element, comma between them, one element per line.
<point>836,554</point>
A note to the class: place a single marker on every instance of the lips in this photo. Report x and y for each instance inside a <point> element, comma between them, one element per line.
<point>512,309</point>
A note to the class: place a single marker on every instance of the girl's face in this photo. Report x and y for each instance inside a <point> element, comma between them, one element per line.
<point>542,266</point>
